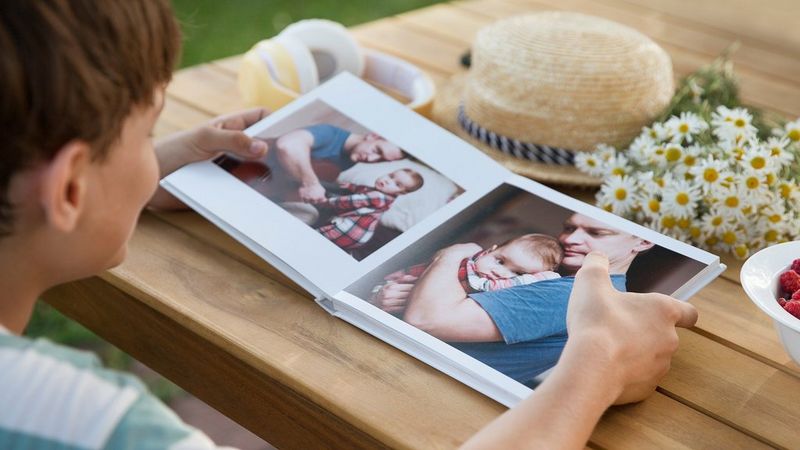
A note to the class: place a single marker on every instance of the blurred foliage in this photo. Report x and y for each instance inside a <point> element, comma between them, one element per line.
<point>214,29</point>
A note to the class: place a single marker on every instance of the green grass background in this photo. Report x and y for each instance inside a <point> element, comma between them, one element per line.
<point>215,29</point>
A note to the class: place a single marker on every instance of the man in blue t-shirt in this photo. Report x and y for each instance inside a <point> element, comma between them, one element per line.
<point>522,330</point>
<point>295,150</point>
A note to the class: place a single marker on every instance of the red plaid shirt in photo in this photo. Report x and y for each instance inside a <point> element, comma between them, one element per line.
<point>357,215</point>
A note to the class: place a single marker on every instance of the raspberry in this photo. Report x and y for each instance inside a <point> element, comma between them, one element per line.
<point>796,265</point>
<point>790,282</point>
<point>795,296</point>
<point>781,301</point>
<point>793,308</point>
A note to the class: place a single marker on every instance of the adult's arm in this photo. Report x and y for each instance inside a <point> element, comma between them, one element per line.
<point>600,365</point>
<point>439,305</point>
<point>294,154</point>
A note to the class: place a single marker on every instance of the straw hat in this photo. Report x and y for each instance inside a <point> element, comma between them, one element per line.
<point>545,86</point>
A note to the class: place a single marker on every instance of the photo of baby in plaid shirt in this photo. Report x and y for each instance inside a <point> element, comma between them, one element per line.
<point>359,209</point>
<point>523,260</point>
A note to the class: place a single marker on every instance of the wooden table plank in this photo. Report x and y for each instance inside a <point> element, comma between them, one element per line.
<point>770,24</point>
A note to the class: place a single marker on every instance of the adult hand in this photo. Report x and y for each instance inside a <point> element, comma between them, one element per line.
<point>627,337</point>
<point>311,193</point>
<point>393,295</point>
<point>223,134</point>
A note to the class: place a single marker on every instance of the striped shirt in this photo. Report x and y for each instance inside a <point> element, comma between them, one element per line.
<point>54,397</point>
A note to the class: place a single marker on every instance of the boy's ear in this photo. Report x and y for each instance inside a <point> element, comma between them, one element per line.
<point>63,187</point>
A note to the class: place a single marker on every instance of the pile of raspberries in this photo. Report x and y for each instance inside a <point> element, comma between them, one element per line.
<point>790,287</point>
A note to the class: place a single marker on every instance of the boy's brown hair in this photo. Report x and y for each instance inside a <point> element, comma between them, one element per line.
<point>75,69</point>
<point>547,247</point>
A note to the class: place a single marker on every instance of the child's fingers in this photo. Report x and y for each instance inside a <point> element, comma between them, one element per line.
<point>215,140</point>
<point>240,120</point>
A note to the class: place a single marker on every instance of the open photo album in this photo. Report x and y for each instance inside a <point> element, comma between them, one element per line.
<point>402,229</point>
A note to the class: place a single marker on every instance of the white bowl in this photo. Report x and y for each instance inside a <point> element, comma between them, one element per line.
<point>759,276</point>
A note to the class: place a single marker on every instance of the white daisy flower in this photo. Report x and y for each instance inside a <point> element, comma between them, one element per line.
<point>756,158</point>
<point>792,131</point>
<point>778,152</point>
<point>680,198</point>
<point>753,186</point>
<point>618,194</point>
<point>589,163</point>
<point>650,203</point>
<point>710,173</point>
<point>714,222</point>
<point>657,132</point>
<point>685,127</point>
<point>617,165</point>
<point>730,202</point>
<point>732,125</point>
<point>774,215</point>
<point>637,151</point>
<point>733,239</point>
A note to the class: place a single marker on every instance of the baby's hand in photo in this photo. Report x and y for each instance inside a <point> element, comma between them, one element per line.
<point>393,296</point>
<point>312,193</point>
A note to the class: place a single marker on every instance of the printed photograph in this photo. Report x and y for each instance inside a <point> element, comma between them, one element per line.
<point>494,282</point>
<point>350,184</point>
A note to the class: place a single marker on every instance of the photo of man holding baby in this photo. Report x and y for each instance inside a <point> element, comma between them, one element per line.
<point>495,281</point>
<point>353,186</point>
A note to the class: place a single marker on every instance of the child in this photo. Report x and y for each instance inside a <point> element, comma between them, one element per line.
<point>358,212</point>
<point>77,167</point>
<point>523,260</point>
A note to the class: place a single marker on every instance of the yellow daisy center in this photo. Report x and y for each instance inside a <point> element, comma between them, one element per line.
<point>775,218</point>
<point>668,222</point>
<point>771,236</point>
<point>712,241</point>
<point>682,198</point>
<point>621,194</point>
<point>659,182</point>
<point>710,175</point>
<point>741,251</point>
<point>775,151</point>
<point>716,221</point>
<point>747,210</point>
<point>794,135</point>
<point>771,179</point>
<point>619,171</point>
<point>673,154</point>
<point>752,182</point>
<point>659,151</point>
<point>684,223</point>
<point>608,208</point>
<point>732,202</point>
<point>729,237</point>
<point>684,128</point>
<point>689,160</point>
<point>740,123</point>
<point>758,162</point>
<point>591,163</point>
<point>786,190</point>
<point>654,205</point>
<point>694,232</point>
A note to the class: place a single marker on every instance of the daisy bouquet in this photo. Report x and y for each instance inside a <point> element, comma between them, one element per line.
<point>710,180</point>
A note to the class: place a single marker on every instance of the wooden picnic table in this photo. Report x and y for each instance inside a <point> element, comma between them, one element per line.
<point>208,314</point>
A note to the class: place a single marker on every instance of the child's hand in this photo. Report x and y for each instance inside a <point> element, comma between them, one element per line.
<point>223,134</point>
<point>625,338</point>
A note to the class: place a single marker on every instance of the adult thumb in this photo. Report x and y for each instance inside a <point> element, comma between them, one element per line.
<point>593,274</point>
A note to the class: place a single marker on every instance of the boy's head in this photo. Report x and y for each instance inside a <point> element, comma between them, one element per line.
<point>402,181</point>
<point>82,84</point>
<point>529,253</point>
